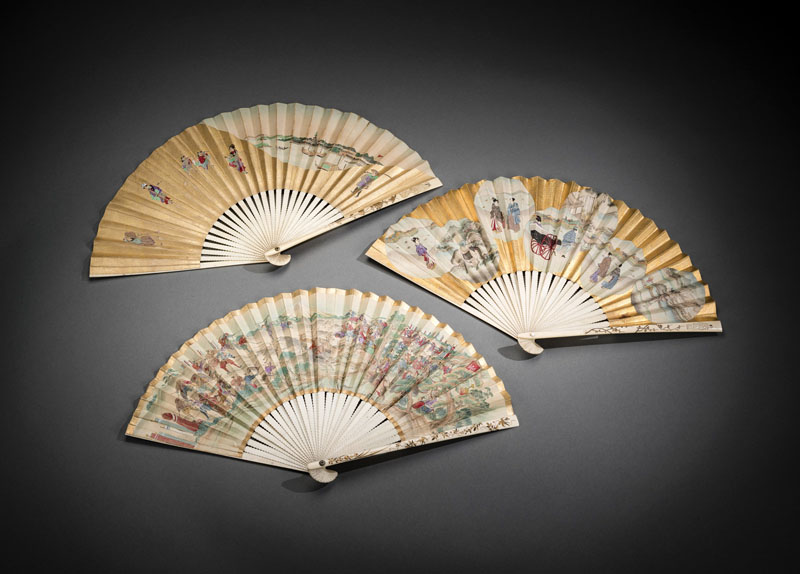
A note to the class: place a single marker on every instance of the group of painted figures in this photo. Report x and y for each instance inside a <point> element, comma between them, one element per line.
<point>581,229</point>
<point>202,160</point>
<point>471,248</point>
<point>470,251</point>
<point>512,219</point>
<point>398,366</point>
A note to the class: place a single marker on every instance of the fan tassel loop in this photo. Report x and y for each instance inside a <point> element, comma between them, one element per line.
<point>319,473</point>
<point>528,342</point>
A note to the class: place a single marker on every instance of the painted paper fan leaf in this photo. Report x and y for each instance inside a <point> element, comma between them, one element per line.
<point>543,258</point>
<point>244,186</point>
<point>309,379</point>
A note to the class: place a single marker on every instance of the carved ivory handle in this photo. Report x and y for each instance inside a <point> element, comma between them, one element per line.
<point>320,473</point>
<point>528,342</point>
<point>277,258</point>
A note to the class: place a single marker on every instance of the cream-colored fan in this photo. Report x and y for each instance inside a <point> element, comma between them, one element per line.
<point>542,258</point>
<point>244,186</point>
<point>309,379</point>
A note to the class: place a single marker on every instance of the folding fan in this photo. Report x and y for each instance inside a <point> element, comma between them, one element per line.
<point>309,379</point>
<point>542,258</point>
<point>244,186</point>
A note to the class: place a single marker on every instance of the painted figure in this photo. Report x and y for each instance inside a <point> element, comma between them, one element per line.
<point>234,160</point>
<point>536,225</point>
<point>612,280</point>
<point>496,216</point>
<point>365,181</point>
<point>203,160</point>
<point>422,251</point>
<point>514,215</point>
<point>186,164</point>
<point>223,360</point>
<point>156,193</point>
<point>602,269</point>
<point>136,239</point>
<point>569,239</point>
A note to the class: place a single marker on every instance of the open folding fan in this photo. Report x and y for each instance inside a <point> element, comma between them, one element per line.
<point>314,378</point>
<point>542,258</point>
<point>245,185</point>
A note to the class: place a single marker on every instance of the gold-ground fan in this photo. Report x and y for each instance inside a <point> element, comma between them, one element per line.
<point>543,258</point>
<point>244,186</point>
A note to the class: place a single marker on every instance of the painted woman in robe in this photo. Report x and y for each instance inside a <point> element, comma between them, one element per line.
<point>422,251</point>
<point>514,215</point>
<point>496,216</point>
<point>234,160</point>
<point>602,269</point>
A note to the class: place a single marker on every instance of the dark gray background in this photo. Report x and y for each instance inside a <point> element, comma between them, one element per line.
<point>632,453</point>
